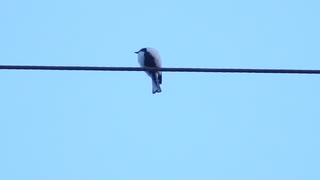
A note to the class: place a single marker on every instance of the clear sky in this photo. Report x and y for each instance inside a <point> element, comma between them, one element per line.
<point>108,125</point>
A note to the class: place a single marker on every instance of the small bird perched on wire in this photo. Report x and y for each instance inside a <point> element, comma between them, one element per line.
<point>150,57</point>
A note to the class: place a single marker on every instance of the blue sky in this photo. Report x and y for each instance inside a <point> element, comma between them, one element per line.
<point>108,125</point>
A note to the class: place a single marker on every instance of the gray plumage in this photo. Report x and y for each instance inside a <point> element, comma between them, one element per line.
<point>150,57</point>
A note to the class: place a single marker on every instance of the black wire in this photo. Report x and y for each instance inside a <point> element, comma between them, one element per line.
<point>207,70</point>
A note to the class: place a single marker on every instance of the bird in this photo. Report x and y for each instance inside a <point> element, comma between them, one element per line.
<point>150,57</point>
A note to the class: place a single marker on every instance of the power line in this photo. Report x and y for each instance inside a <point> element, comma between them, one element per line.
<point>206,70</point>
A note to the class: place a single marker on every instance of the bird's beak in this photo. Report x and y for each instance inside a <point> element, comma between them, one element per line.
<point>136,52</point>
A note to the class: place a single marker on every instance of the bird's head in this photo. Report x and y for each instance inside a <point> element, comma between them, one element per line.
<point>141,50</point>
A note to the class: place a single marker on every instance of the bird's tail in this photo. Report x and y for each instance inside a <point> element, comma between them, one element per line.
<point>155,86</point>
